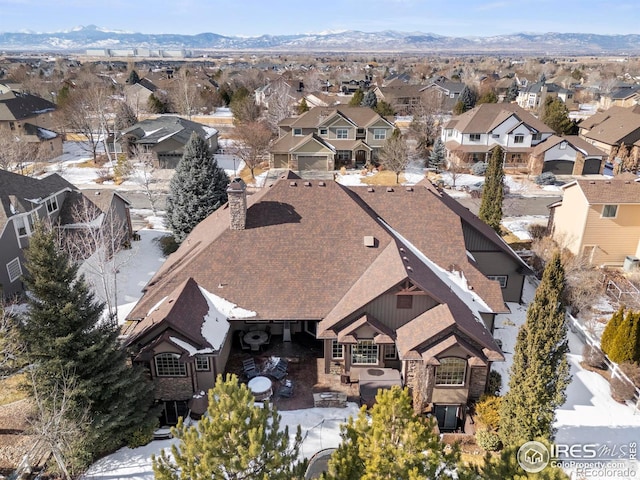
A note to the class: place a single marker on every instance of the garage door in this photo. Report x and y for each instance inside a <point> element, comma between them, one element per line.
<point>559,167</point>
<point>591,166</point>
<point>312,163</point>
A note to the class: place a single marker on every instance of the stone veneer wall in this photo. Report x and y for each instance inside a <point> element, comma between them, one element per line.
<point>173,388</point>
<point>478,382</point>
<point>420,381</point>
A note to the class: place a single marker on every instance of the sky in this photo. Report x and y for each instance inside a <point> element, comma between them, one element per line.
<point>257,17</point>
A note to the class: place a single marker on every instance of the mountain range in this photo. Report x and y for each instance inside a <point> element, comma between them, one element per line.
<point>91,37</point>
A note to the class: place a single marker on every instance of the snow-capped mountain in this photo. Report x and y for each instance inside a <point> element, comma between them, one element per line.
<point>81,38</point>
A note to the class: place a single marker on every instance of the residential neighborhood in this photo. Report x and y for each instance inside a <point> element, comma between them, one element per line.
<point>304,237</point>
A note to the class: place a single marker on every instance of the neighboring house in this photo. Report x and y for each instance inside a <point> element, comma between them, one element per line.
<point>404,98</point>
<point>569,155</point>
<point>599,219</point>
<point>329,138</point>
<point>166,137</point>
<point>472,136</point>
<point>364,270</point>
<point>137,95</point>
<point>321,99</point>
<point>30,118</point>
<point>621,96</point>
<point>26,200</point>
<point>533,96</point>
<point>277,86</point>
<point>610,129</point>
<point>447,91</point>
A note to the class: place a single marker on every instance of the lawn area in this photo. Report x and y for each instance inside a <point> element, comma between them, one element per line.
<point>383,178</point>
<point>10,391</point>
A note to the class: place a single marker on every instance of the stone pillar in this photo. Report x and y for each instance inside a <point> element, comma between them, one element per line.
<point>477,382</point>
<point>237,193</point>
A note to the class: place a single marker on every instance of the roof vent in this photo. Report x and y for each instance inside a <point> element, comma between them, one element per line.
<point>389,189</point>
<point>608,182</point>
<point>410,268</point>
<point>406,259</point>
<point>592,182</point>
<point>322,184</point>
<point>369,241</point>
<point>402,249</point>
<point>292,184</point>
<point>409,189</point>
<point>307,184</point>
<point>370,189</point>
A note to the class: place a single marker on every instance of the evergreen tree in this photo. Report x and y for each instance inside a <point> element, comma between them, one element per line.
<point>155,105</point>
<point>540,372</point>
<point>458,108</point>
<point>556,115</point>
<point>506,467</point>
<point>468,98</point>
<point>609,333</point>
<point>370,100</point>
<point>512,92</point>
<point>125,117</point>
<point>493,192</point>
<point>133,78</point>
<point>391,441</point>
<point>384,109</point>
<point>64,334</point>
<point>302,106</point>
<point>488,97</point>
<point>356,99</point>
<point>235,440</point>
<point>197,188</point>
<point>624,346</point>
<point>437,155</point>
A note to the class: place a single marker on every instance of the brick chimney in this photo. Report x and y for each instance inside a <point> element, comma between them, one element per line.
<point>237,192</point>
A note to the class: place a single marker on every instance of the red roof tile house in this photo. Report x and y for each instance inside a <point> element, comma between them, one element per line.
<point>401,278</point>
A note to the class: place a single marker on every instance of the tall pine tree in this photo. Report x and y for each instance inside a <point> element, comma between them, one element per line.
<point>391,441</point>
<point>512,92</point>
<point>65,336</point>
<point>540,372</point>
<point>437,155</point>
<point>624,345</point>
<point>197,188</point>
<point>468,98</point>
<point>235,440</point>
<point>555,114</point>
<point>370,100</point>
<point>493,192</point>
<point>609,333</point>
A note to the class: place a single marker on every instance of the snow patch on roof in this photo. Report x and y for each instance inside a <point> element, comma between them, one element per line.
<point>190,348</point>
<point>215,326</point>
<point>156,306</point>
<point>225,307</point>
<point>210,131</point>
<point>47,134</point>
<point>456,281</point>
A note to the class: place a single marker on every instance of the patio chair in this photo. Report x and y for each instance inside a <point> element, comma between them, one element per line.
<point>243,344</point>
<point>287,389</point>
<point>280,370</point>
<point>249,368</point>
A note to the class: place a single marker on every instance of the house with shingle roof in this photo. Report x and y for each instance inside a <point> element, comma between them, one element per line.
<point>613,129</point>
<point>165,137</point>
<point>568,155</point>
<point>327,138</point>
<point>599,219</point>
<point>534,95</point>
<point>26,200</point>
<point>362,270</point>
<point>472,136</point>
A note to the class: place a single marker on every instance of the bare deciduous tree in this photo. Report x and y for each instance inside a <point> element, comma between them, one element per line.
<point>394,155</point>
<point>94,240</point>
<point>184,93</point>
<point>254,140</point>
<point>279,104</point>
<point>18,153</point>
<point>144,176</point>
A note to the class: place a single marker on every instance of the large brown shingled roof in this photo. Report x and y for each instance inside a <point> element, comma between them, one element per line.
<point>623,188</point>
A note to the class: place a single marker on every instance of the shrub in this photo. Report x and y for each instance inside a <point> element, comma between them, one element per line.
<point>488,440</point>
<point>488,411</point>
<point>141,436</point>
<point>537,231</point>
<point>168,245</point>
<point>494,383</point>
<point>621,390</point>
<point>546,178</point>
<point>479,168</point>
<point>593,356</point>
<point>631,370</point>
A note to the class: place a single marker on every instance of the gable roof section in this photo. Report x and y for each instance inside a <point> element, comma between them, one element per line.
<point>615,126</point>
<point>622,189</point>
<point>289,143</point>
<point>317,116</point>
<point>19,193</point>
<point>19,106</point>
<point>576,142</point>
<point>485,117</point>
<point>153,131</point>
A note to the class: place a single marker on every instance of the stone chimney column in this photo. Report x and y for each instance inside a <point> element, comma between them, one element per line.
<point>237,193</point>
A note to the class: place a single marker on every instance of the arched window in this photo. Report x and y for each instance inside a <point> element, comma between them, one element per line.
<point>169,365</point>
<point>451,371</point>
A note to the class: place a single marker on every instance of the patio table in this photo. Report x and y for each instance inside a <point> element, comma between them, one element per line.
<point>255,338</point>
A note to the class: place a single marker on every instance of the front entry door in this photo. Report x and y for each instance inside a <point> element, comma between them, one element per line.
<point>447,416</point>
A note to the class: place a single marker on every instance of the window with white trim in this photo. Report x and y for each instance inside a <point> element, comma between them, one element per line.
<point>52,205</point>
<point>21,226</point>
<point>609,211</point>
<point>451,371</point>
<point>379,134</point>
<point>536,137</point>
<point>343,155</point>
<point>14,269</point>
<point>169,365</point>
<point>563,145</point>
<point>323,132</point>
<point>297,132</point>
<point>474,137</point>
<point>202,364</point>
<point>518,138</point>
<point>365,352</point>
<point>337,351</point>
<point>502,279</point>
<point>390,352</point>
<point>342,134</point>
